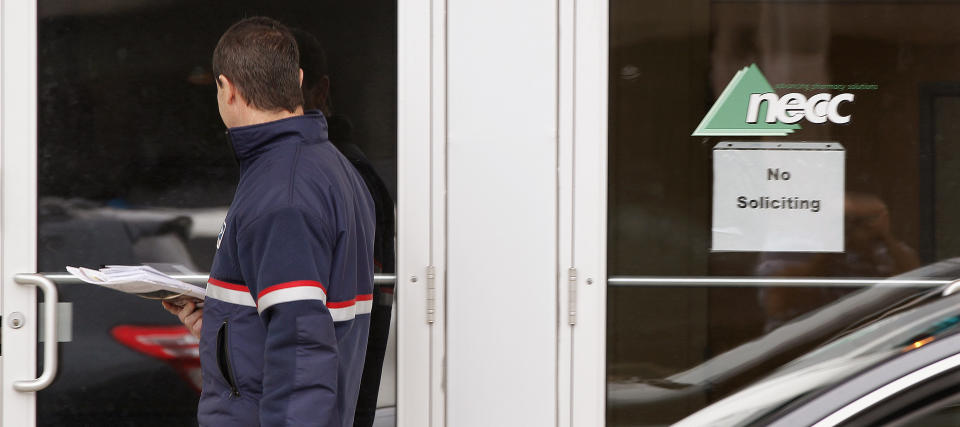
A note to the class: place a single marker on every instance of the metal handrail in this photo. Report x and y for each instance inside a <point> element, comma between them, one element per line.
<point>49,329</point>
<point>390,279</point>
<point>193,279</point>
<point>772,281</point>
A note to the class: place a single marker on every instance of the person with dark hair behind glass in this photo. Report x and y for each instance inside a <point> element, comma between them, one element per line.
<point>290,289</point>
<point>315,87</point>
<point>316,96</point>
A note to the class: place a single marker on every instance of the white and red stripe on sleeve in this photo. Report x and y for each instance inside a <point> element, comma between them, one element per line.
<point>298,290</point>
<point>230,292</point>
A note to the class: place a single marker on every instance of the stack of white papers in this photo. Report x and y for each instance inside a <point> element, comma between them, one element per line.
<point>141,280</point>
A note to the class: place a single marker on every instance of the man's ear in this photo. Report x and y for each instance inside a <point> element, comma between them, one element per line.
<point>224,84</point>
<point>301,78</point>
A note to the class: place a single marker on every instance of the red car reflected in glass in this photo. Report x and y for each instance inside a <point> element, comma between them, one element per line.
<point>172,344</point>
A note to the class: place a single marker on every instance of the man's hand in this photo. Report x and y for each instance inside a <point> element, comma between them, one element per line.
<point>189,314</point>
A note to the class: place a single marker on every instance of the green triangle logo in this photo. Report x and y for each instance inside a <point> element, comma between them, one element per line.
<point>728,116</point>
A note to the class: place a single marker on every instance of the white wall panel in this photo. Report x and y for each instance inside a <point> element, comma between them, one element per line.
<point>502,213</point>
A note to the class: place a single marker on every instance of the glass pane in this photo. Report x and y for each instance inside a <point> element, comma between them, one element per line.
<point>134,167</point>
<point>676,68</point>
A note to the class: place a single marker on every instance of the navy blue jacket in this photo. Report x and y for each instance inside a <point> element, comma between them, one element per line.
<point>286,317</point>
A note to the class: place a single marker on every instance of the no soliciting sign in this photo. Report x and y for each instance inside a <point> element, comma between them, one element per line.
<point>778,197</point>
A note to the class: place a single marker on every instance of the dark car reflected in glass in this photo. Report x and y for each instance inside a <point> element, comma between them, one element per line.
<point>918,337</point>
<point>732,369</point>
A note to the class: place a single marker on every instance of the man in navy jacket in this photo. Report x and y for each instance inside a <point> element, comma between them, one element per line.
<point>286,317</point>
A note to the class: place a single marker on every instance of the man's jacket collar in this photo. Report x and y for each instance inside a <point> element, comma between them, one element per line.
<point>250,141</point>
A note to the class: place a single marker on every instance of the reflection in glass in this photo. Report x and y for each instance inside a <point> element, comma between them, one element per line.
<point>668,64</point>
<point>842,358</point>
<point>134,167</point>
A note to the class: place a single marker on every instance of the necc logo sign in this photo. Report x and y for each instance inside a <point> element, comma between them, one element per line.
<point>748,106</point>
<point>793,107</point>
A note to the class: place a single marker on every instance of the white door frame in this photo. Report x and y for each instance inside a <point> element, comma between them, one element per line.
<point>574,59</point>
<point>584,235</point>
<point>421,218</point>
<point>18,205</point>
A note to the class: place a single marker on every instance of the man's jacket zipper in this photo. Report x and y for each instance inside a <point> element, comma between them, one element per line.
<point>223,358</point>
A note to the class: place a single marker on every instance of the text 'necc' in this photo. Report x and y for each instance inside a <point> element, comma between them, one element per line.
<point>793,107</point>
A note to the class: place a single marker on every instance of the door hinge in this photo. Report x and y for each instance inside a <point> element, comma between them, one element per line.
<point>572,296</point>
<point>431,294</point>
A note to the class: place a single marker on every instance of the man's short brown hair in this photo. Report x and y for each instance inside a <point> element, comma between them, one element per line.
<point>260,56</point>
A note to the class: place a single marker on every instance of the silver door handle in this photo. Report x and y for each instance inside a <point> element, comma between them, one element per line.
<point>49,330</point>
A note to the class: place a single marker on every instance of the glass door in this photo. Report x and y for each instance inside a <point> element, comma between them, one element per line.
<point>778,173</point>
<point>123,160</point>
